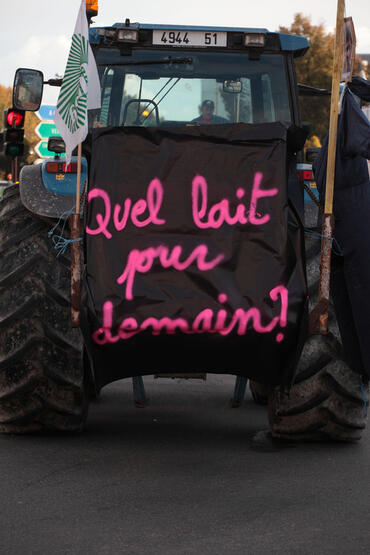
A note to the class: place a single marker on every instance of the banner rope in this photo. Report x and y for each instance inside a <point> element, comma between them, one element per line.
<point>61,242</point>
<point>334,243</point>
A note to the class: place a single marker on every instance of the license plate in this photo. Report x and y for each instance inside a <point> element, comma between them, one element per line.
<point>190,38</point>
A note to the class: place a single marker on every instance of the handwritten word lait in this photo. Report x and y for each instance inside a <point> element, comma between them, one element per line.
<point>146,211</point>
<point>207,321</point>
<point>218,214</point>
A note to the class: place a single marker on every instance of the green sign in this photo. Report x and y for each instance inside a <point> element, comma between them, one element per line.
<point>45,130</point>
<point>42,151</point>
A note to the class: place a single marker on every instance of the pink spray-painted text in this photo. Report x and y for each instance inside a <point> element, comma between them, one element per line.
<point>220,213</point>
<point>145,212</point>
<point>142,262</point>
<point>207,321</point>
<point>151,205</point>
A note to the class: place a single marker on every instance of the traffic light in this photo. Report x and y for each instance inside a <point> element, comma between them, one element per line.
<point>13,118</point>
<point>14,132</point>
<point>14,142</point>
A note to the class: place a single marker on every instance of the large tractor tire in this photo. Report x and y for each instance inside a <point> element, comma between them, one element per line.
<point>260,392</point>
<point>328,400</point>
<point>42,383</point>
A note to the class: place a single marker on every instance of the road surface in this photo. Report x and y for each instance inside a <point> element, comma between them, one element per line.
<point>187,475</point>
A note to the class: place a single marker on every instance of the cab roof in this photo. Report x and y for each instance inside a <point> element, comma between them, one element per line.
<point>288,43</point>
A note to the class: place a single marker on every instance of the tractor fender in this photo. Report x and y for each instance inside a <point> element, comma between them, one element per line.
<point>43,195</point>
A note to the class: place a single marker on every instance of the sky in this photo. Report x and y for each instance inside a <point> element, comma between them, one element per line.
<point>36,33</point>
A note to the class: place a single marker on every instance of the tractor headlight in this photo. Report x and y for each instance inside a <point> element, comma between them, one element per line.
<point>254,39</point>
<point>128,35</point>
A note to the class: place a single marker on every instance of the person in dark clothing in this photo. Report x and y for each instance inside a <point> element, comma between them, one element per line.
<point>206,114</point>
<point>351,256</point>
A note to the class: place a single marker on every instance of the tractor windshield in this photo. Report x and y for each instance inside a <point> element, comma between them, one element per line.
<point>159,87</point>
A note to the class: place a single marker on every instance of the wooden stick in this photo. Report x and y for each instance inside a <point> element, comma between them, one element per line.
<point>76,251</point>
<point>319,315</point>
<point>78,185</point>
<point>333,127</point>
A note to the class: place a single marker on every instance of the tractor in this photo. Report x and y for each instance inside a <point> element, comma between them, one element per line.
<point>194,252</point>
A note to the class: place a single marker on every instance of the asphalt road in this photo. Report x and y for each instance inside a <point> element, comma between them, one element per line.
<point>187,475</point>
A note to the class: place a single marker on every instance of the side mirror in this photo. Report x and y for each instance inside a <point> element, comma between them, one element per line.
<point>57,145</point>
<point>233,87</point>
<point>27,89</point>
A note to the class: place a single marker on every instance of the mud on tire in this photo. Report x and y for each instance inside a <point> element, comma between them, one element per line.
<point>41,371</point>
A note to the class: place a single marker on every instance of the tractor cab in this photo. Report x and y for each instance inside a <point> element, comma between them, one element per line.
<point>169,76</point>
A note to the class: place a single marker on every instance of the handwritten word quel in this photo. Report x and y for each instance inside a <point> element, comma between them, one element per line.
<point>132,210</point>
<point>144,212</point>
<point>207,321</point>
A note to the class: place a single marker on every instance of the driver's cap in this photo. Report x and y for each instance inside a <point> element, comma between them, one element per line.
<point>208,103</point>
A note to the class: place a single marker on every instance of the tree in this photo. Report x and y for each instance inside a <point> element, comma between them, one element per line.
<point>314,69</point>
<point>30,137</point>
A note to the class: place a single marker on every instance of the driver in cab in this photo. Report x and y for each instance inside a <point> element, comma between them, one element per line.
<point>207,116</point>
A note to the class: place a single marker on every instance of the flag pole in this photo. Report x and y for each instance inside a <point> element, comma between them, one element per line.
<point>319,315</point>
<point>76,250</point>
<point>74,130</point>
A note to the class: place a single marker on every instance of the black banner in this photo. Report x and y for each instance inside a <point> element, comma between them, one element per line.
<point>191,263</point>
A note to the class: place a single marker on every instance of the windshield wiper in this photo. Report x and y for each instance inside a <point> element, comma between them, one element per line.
<point>168,60</point>
<point>155,96</point>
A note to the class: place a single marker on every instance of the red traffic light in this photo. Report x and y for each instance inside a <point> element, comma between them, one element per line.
<point>14,132</point>
<point>14,118</point>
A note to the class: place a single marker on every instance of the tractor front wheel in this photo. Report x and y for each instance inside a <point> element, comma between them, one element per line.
<point>42,384</point>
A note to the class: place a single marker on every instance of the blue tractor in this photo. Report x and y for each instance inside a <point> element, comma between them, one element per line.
<point>179,84</point>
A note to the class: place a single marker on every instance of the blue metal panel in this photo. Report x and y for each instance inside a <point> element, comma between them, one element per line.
<point>193,28</point>
<point>94,37</point>
<point>310,184</point>
<point>67,185</point>
<point>293,43</point>
<point>290,43</point>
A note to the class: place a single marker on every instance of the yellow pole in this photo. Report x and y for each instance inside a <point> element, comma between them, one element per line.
<point>333,127</point>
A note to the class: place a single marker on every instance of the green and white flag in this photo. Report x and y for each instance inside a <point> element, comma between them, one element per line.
<point>80,90</point>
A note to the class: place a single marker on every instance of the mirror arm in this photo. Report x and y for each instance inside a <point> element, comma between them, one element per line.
<point>53,82</point>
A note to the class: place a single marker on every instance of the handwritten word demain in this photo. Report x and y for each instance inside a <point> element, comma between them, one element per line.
<point>144,212</point>
<point>206,321</point>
